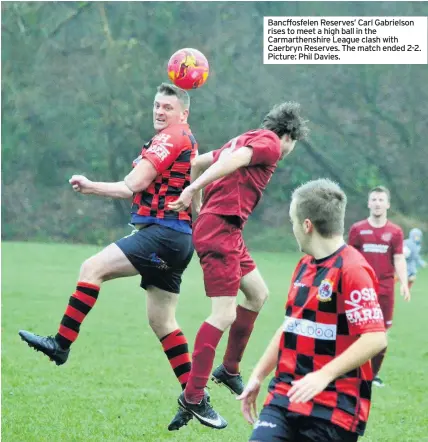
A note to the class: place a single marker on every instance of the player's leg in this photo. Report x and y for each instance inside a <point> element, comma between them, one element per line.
<point>274,424</point>
<point>108,264</point>
<point>193,398</point>
<point>386,303</point>
<point>411,280</point>
<point>223,313</point>
<point>256,293</point>
<point>215,240</point>
<point>168,253</point>
<point>164,257</point>
<point>161,308</point>
<point>311,429</point>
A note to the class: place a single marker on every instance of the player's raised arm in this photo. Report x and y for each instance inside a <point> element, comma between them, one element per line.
<point>85,186</point>
<point>136,181</point>
<point>199,165</point>
<point>141,176</point>
<point>227,163</point>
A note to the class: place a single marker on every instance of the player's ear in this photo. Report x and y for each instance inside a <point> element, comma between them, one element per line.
<point>307,225</point>
<point>185,114</point>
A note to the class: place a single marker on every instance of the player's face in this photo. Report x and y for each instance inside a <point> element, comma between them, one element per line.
<point>287,146</point>
<point>378,204</point>
<point>167,111</point>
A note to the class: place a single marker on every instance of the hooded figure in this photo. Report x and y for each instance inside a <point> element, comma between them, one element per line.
<point>412,249</point>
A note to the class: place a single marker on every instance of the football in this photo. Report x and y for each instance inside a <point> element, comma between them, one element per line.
<point>188,68</point>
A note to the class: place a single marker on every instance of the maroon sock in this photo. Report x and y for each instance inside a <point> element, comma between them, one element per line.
<point>203,355</point>
<point>239,334</point>
<point>377,362</point>
<point>177,351</point>
<point>79,305</point>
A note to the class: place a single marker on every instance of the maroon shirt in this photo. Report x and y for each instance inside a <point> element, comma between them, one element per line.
<point>238,193</point>
<point>378,245</point>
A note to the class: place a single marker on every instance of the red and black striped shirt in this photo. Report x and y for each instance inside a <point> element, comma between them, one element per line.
<point>330,303</point>
<point>171,152</point>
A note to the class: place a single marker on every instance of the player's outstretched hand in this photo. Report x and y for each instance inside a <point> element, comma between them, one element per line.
<point>80,184</point>
<point>405,292</point>
<point>309,386</point>
<point>183,202</point>
<point>249,400</point>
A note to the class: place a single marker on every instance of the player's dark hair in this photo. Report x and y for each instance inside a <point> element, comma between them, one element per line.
<point>172,89</point>
<point>381,189</point>
<point>323,202</point>
<point>284,119</point>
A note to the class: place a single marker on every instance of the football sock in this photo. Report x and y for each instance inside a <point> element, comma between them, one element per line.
<point>79,305</point>
<point>203,355</point>
<point>239,334</point>
<point>177,351</point>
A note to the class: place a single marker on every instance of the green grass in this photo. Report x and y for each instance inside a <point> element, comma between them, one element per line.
<point>117,384</point>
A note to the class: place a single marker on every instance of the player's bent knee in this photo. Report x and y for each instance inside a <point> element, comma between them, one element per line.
<point>89,270</point>
<point>257,301</point>
<point>263,297</point>
<point>162,324</point>
<point>162,329</point>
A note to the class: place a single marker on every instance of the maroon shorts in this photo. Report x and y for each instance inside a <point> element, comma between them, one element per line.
<point>222,253</point>
<point>386,303</point>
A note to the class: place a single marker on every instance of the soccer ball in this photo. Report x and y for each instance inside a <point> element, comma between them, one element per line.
<point>188,68</point>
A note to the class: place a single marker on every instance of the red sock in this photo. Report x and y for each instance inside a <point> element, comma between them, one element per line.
<point>79,305</point>
<point>177,351</point>
<point>377,362</point>
<point>203,355</point>
<point>239,334</point>
<point>410,283</point>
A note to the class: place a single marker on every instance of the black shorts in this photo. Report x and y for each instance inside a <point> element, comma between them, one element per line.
<point>160,255</point>
<point>276,424</point>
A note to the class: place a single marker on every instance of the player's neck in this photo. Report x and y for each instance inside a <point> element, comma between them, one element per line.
<point>321,247</point>
<point>377,221</point>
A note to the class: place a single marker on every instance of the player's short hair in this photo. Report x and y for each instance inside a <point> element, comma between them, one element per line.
<point>284,119</point>
<point>323,202</point>
<point>381,189</point>
<point>172,89</point>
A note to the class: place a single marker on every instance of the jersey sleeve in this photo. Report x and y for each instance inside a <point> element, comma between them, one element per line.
<point>216,155</point>
<point>360,302</point>
<point>266,149</point>
<point>353,237</point>
<point>164,150</point>
<point>397,242</point>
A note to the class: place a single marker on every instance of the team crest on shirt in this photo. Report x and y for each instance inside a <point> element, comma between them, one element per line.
<point>387,236</point>
<point>325,290</point>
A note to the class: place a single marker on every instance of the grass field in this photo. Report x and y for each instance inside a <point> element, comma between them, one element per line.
<point>117,384</point>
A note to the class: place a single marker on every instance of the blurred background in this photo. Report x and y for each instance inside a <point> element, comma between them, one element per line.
<point>78,81</point>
